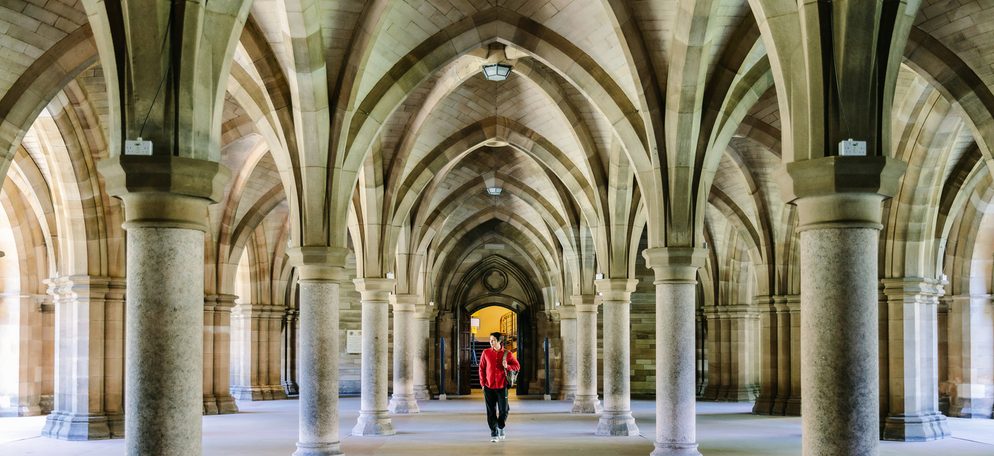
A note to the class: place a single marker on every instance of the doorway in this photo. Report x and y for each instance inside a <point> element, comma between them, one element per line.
<point>484,321</point>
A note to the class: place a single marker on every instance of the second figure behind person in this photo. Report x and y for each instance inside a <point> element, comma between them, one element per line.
<point>494,383</point>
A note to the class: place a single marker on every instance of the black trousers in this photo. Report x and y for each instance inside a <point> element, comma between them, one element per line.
<point>496,400</point>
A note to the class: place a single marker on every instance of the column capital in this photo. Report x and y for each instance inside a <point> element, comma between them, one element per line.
<point>404,302</point>
<point>675,264</point>
<point>616,290</point>
<point>567,312</point>
<point>840,191</point>
<point>584,303</point>
<point>319,263</point>
<point>374,288</point>
<point>900,287</point>
<point>164,190</point>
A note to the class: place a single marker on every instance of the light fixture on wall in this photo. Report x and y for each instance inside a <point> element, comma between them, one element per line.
<point>431,303</point>
<point>390,275</point>
<point>599,276</point>
<point>496,71</point>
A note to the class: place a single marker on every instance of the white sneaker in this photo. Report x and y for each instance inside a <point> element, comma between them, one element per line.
<point>500,434</point>
<point>493,438</point>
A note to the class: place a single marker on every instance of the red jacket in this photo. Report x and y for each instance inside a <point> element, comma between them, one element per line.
<point>492,368</point>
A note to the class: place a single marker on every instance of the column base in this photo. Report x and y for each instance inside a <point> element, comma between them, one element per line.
<point>586,404</point>
<point>763,406</point>
<point>567,394</point>
<point>275,393</point>
<point>711,393</point>
<point>421,393</point>
<point>226,405</point>
<point>793,407</point>
<point>617,424</point>
<point>258,393</point>
<point>404,405</point>
<point>66,426</point>
<point>917,428</point>
<point>373,423</point>
<point>291,389</point>
<point>742,394</point>
<point>210,405</point>
<point>318,449</point>
<point>675,449</point>
<point>970,408</point>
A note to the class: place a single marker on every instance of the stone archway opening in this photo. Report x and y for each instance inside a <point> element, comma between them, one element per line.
<point>483,322</point>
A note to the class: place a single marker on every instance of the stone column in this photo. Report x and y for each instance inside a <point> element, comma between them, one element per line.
<point>769,360</point>
<point>288,373</point>
<point>422,330</point>
<point>404,333</point>
<point>321,271</point>
<point>785,361</point>
<point>274,336</point>
<point>911,376</point>
<point>713,359</point>
<point>616,418</point>
<point>247,384</point>
<point>675,279</point>
<point>838,205</point>
<point>373,417</point>
<point>791,308</point>
<point>165,209</point>
<point>217,355</point>
<point>89,358</point>
<point>971,356</point>
<point>567,333</point>
<point>586,355</point>
<point>223,303</point>
<point>742,375</point>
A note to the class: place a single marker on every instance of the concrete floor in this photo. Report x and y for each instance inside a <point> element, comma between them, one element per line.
<point>458,427</point>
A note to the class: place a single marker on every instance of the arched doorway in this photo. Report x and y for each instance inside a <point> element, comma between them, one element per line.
<point>509,318</point>
<point>494,282</point>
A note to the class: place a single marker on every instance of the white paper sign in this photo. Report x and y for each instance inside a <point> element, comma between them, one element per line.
<point>353,341</point>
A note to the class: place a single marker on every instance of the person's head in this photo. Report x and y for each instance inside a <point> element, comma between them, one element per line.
<point>496,340</point>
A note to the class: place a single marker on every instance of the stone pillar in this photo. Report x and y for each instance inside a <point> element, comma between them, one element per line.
<point>321,271</point>
<point>422,331</point>
<point>971,356</point>
<point>273,346</point>
<point>373,417</point>
<point>586,355</point>
<point>567,334</point>
<point>616,418</point>
<point>288,372</point>
<point>769,359</point>
<point>89,358</point>
<point>714,384</point>
<point>791,312</point>
<point>675,279</point>
<point>785,362</point>
<point>258,360</point>
<point>742,375</point>
<point>217,355</point>
<point>910,376</point>
<point>165,207</point>
<point>839,212</point>
<point>404,333</point>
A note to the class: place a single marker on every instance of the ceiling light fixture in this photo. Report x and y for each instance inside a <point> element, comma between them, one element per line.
<point>496,71</point>
<point>494,191</point>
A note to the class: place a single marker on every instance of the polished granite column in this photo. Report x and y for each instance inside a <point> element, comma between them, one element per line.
<point>373,414</point>
<point>839,213</point>
<point>403,401</point>
<point>586,355</point>
<point>567,333</point>
<point>616,417</point>
<point>675,270</point>
<point>321,274</point>
<point>165,207</point>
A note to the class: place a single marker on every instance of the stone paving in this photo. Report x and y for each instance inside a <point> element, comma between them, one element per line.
<point>458,427</point>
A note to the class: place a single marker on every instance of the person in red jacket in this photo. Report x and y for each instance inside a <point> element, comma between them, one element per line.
<point>494,383</point>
